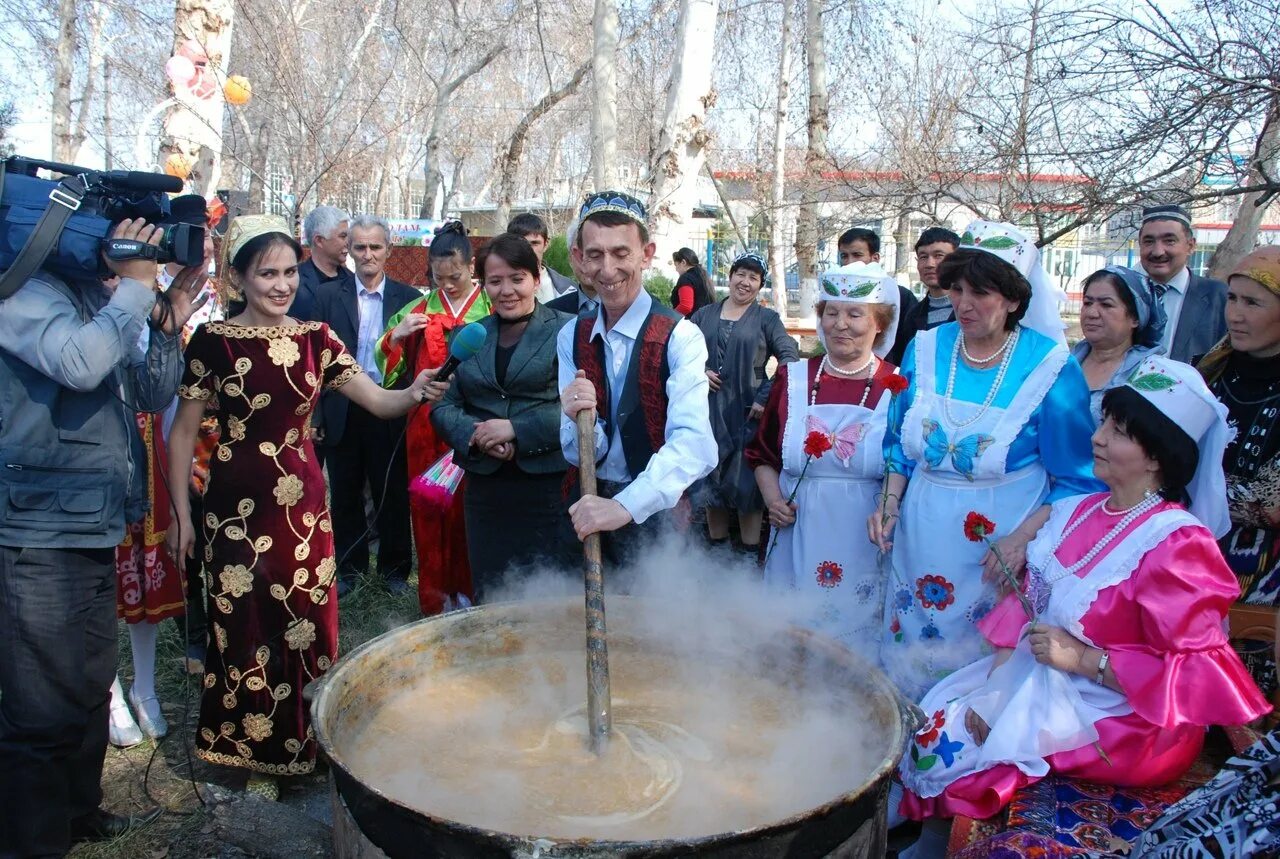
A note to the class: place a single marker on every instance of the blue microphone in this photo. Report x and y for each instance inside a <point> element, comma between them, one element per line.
<point>466,343</point>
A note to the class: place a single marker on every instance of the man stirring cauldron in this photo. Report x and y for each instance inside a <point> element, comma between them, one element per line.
<point>641,366</point>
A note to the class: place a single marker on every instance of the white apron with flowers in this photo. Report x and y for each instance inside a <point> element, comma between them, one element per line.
<point>935,594</point>
<point>1033,711</point>
<point>825,558</point>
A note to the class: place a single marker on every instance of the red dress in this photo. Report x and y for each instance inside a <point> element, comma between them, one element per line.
<point>149,586</point>
<point>268,564</point>
<point>440,540</point>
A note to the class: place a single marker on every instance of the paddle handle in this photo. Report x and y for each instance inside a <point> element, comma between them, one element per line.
<point>599,716</point>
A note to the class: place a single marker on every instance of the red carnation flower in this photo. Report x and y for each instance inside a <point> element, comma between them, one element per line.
<point>895,384</point>
<point>977,526</point>
<point>816,444</point>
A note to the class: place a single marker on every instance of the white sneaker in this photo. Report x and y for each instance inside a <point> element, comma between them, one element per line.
<point>150,719</point>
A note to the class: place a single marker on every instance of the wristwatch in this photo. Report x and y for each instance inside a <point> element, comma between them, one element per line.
<point>1102,668</point>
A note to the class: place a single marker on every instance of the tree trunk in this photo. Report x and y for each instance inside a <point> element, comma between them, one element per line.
<point>63,68</point>
<point>259,152</point>
<point>901,243</point>
<point>684,129</point>
<point>108,146</point>
<point>816,157</point>
<point>604,109</point>
<point>777,188</point>
<point>1243,235</point>
<point>444,94</point>
<point>193,127</point>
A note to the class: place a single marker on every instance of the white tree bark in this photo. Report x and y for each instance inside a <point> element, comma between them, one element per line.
<point>193,127</point>
<point>682,149</point>
<point>63,68</point>
<point>432,175</point>
<point>1243,235</point>
<point>816,157</point>
<point>777,189</point>
<point>604,112</point>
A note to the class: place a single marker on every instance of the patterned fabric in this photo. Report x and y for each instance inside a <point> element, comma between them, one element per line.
<point>268,561</point>
<point>149,586</point>
<point>440,541</point>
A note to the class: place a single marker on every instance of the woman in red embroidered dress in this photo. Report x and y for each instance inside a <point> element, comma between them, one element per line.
<point>268,562</point>
<point>417,339</point>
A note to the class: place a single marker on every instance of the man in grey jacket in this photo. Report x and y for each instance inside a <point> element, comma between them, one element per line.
<point>72,468</point>
<point>1195,306</point>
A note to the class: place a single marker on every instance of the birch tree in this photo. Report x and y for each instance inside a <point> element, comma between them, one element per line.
<point>777,185</point>
<point>816,156</point>
<point>604,103</point>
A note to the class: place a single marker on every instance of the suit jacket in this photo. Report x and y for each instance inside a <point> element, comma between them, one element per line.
<point>559,282</point>
<point>529,398</point>
<point>570,303</point>
<point>309,282</point>
<point>910,323</point>
<point>337,306</point>
<point>1202,321</point>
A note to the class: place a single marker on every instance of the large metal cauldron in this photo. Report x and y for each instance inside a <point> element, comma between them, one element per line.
<point>849,825</point>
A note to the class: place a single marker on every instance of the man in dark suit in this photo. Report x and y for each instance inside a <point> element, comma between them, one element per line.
<point>1194,305</point>
<point>362,450</point>
<point>325,230</point>
<point>584,298</point>
<point>533,230</point>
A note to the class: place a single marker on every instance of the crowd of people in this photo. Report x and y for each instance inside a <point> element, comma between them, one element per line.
<point>1040,543</point>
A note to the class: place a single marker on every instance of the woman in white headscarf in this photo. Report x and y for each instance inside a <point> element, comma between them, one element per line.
<point>843,397</point>
<point>996,422</point>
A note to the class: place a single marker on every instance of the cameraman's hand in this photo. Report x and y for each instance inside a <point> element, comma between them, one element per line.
<point>184,297</point>
<point>141,270</point>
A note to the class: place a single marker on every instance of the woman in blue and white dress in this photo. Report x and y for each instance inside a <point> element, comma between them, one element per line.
<point>995,421</point>
<point>843,395</point>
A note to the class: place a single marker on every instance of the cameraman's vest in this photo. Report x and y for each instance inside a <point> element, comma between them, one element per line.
<point>70,464</point>
<point>642,409</point>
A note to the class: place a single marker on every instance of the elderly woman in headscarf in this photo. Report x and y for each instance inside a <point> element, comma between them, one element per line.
<point>1243,371</point>
<point>1122,321</point>
<point>995,422</point>
<point>742,335</point>
<point>843,395</point>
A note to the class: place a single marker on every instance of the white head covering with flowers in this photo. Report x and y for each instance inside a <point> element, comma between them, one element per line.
<point>1179,392</point>
<point>862,283</point>
<point>1014,247</point>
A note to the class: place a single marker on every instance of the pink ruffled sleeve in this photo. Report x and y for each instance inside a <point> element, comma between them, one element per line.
<point>1003,625</point>
<point>1184,672</point>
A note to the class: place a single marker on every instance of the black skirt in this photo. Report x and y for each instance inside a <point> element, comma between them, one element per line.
<point>514,521</point>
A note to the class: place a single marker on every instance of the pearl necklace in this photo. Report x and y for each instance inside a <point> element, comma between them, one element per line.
<point>1130,515</point>
<point>1007,349</point>
<point>835,372</point>
<point>964,349</point>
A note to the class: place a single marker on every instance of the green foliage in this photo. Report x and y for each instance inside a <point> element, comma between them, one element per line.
<point>556,257</point>
<point>659,287</point>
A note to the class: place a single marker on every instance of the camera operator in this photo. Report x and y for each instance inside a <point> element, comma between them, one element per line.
<point>71,472</point>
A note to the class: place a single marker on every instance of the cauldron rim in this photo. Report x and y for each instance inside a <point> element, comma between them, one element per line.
<point>899,731</point>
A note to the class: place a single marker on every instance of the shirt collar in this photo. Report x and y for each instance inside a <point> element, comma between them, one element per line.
<point>1180,281</point>
<point>629,325</point>
<point>379,289</point>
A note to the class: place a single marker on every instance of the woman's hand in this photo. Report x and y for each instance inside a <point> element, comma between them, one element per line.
<point>882,521</point>
<point>425,390</point>
<point>180,540</point>
<point>756,413</point>
<point>1057,648</point>
<point>714,378</point>
<point>976,726</point>
<point>411,324</point>
<point>1013,548</point>
<point>782,513</point>
<point>491,433</point>
<point>505,451</point>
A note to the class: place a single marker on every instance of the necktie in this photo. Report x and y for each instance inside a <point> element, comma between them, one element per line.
<point>1157,288</point>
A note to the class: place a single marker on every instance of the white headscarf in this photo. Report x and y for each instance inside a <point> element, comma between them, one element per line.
<point>1178,391</point>
<point>1014,247</point>
<point>862,283</point>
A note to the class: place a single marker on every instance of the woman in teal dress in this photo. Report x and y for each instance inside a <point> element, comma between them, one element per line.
<point>995,421</point>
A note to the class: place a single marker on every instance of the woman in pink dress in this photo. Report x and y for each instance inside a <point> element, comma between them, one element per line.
<point>1125,660</point>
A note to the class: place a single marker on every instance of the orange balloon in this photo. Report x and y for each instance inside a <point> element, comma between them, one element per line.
<point>237,90</point>
<point>178,166</point>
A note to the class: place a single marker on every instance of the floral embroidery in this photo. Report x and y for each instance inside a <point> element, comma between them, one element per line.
<point>865,591</point>
<point>288,490</point>
<point>926,735</point>
<point>935,592</point>
<point>947,750</point>
<point>257,726</point>
<point>930,632</point>
<point>902,600</point>
<point>284,352</point>
<point>829,574</point>
<point>979,610</point>
<point>236,580</point>
<point>301,635</point>
<point>896,629</point>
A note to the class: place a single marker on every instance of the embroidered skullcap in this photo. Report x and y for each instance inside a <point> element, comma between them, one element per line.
<point>862,283</point>
<point>1180,394</point>
<point>613,201</point>
<point>245,229</point>
<point>1166,213</point>
<point>751,260</point>
<point>1014,247</point>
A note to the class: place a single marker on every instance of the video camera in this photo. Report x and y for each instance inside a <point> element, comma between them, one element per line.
<point>64,225</point>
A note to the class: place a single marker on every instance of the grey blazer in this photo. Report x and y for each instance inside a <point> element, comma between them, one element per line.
<point>1202,321</point>
<point>530,398</point>
<point>559,282</point>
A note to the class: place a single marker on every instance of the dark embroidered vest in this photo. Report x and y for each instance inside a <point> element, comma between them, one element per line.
<point>642,409</point>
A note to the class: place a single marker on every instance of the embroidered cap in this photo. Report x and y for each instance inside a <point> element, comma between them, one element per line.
<point>1166,213</point>
<point>246,228</point>
<point>1017,249</point>
<point>862,283</point>
<point>1180,394</point>
<point>751,259</point>
<point>613,201</point>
